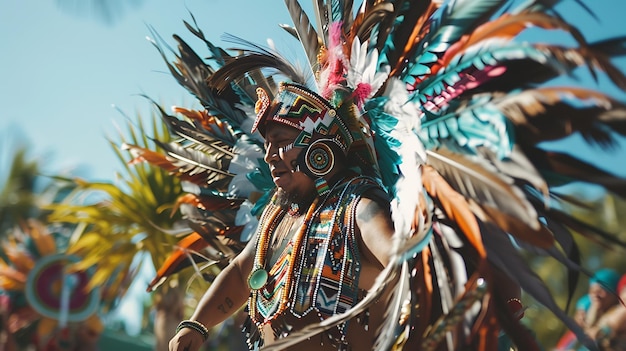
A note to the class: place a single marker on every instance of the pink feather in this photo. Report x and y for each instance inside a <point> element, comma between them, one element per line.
<point>334,34</point>
<point>361,92</point>
<point>335,71</point>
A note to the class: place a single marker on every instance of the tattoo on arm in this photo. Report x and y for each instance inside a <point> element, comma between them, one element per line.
<point>226,306</point>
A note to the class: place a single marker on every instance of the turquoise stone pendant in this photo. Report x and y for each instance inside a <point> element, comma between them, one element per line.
<point>257,279</point>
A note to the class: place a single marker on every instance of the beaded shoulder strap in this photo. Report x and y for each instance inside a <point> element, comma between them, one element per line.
<point>328,270</point>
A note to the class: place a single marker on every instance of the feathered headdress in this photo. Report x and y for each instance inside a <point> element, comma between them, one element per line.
<point>451,110</point>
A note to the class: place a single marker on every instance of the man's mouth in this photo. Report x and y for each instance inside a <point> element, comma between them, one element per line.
<point>278,173</point>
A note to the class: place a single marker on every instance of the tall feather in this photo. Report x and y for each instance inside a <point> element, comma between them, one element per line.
<point>309,38</point>
<point>483,184</point>
<point>253,59</point>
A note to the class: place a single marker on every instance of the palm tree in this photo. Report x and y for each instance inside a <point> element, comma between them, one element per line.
<point>26,190</point>
<point>119,221</point>
<point>17,196</point>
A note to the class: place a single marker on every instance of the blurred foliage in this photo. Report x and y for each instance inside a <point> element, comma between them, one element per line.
<point>119,220</point>
<point>17,196</point>
<point>603,212</point>
<point>26,191</point>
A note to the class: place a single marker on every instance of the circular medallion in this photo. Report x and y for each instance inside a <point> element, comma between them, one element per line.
<point>320,159</point>
<point>257,279</point>
<point>55,293</point>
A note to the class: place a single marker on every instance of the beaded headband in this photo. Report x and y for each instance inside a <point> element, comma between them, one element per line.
<point>302,109</point>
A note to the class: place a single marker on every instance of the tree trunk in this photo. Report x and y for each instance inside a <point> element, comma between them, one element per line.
<point>169,308</point>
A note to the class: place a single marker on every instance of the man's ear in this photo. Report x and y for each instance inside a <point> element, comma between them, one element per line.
<point>320,158</point>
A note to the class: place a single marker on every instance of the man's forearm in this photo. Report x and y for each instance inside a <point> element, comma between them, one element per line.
<point>224,297</point>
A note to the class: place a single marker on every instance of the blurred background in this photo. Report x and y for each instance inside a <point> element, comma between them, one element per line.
<point>73,76</point>
<point>73,80</point>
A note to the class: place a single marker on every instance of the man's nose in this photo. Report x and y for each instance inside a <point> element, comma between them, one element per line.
<point>271,154</point>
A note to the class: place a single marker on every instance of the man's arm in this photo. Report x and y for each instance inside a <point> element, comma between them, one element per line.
<point>225,296</point>
<point>373,219</point>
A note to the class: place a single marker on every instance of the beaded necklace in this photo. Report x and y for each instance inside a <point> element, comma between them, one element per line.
<point>321,255</point>
<point>259,275</point>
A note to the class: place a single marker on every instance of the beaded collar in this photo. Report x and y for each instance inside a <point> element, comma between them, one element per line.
<point>325,239</point>
<point>259,276</point>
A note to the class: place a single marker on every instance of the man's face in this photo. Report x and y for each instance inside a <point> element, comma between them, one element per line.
<point>282,162</point>
<point>601,297</point>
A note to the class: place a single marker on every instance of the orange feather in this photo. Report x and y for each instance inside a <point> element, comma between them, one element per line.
<point>505,27</point>
<point>190,244</point>
<point>455,207</point>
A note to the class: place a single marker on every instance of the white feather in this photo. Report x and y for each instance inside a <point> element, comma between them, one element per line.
<point>246,218</point>
<point>364,67</point>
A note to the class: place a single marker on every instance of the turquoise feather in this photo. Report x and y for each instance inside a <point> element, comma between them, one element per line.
<point>479,125</point>
<point>382,125</point>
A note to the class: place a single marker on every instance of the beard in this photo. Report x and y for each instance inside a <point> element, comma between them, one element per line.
<point>286,200</point>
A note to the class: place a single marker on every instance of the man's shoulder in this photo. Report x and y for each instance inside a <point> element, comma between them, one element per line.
<point>363,187</point>
<point>370,188</point>
<point>363,184</point>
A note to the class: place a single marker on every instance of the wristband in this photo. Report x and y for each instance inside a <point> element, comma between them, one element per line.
<point>195,325</point>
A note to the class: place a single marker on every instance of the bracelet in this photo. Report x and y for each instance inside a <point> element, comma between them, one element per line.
<point>516,307</point>
<point>195,325</point>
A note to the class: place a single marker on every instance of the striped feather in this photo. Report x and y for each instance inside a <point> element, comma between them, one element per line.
<point>480,182</point>
<point>309,38</point>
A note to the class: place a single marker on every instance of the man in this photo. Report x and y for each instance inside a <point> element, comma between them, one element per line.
<point>568,341</point>
<point>321,242</point>
<point>602,294</point>
<point>610,331</point>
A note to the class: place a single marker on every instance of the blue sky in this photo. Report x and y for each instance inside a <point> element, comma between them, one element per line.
<point>62,72</point>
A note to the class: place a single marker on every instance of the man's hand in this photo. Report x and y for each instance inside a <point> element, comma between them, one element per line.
<point>186,340</point>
